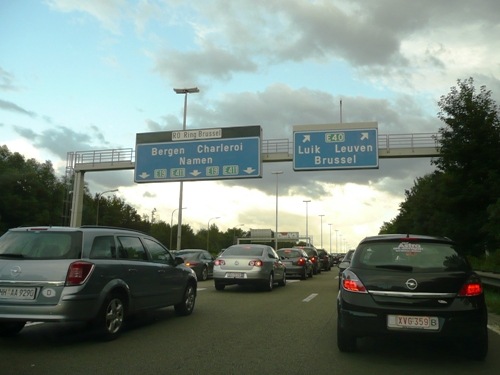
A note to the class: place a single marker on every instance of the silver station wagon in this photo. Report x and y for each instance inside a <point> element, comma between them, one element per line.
<point>99,275</point>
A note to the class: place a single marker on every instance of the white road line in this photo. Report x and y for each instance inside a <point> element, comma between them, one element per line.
<point>292,281</point>
<point>310,297</point>
<point>198,289</point>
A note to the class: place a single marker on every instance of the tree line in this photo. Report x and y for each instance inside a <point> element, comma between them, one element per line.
<point>461,198</point>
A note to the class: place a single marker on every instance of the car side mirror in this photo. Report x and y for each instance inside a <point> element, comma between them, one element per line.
<point>178,260</point>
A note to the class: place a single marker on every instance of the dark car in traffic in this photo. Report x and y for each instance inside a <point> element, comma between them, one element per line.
<point>99,275</point>
<point>413,287</point>
<point>199,260</point>
<point>297,262</point>
<point>345,262</point>
<point>324,260</point>
<point>312,253</point>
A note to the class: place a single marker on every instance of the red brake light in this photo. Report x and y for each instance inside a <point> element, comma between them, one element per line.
<point>313,259</point>
<point>471,289</point>
<point>255,263</point>
<point>301,262</point>
<point>78,273</point>
<point>351,283</point>
<point>191,264</point>
<point>220,262</point>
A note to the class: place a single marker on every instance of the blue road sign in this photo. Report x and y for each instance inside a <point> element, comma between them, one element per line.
<point>335,149</point>
<point>214,159</point>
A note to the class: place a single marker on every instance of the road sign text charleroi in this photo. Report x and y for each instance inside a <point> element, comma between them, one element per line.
<point>199,154</point>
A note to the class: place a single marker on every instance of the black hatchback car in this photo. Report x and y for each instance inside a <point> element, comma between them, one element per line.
<point>412,286</point>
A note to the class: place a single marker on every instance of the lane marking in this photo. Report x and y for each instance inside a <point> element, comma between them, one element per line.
<point>310,297</point>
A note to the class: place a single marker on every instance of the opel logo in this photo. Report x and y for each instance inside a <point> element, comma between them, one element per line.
<point>236,263</point>
<point>15,271</point>
<point>411,284</point>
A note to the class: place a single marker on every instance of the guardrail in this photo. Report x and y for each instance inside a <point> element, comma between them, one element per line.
<point>386,142</point>
<point>490,279</point>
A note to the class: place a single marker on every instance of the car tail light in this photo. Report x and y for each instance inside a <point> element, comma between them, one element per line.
<point>471,288</point>
<point>255,263</point>
<point>220,262</point>
<point>314,259</point>
<point>191,264</point>
<point>351,282</point>
<point>301,262</point>
<point>78,273</point>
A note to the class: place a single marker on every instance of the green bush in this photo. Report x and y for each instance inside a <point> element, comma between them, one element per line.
<point>486,263</point>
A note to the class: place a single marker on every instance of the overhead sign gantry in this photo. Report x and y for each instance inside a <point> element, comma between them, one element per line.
<point>203,154</point>
<point>335,146</point>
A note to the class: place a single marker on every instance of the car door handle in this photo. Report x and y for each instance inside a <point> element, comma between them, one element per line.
<point>132,270</point>
<point>161,271</point>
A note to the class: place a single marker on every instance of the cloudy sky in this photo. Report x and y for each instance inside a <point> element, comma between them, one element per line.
<point>89,75</point>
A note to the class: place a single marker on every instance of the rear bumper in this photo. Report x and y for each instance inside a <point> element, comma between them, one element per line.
<point>64,311</point>
<point>250,278</point>
<point>454,322</point>
<point>295,270</point>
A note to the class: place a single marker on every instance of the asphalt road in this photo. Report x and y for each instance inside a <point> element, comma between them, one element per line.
<point>242,330</point>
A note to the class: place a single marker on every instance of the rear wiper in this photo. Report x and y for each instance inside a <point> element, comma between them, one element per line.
<point>396,267</point>
<point>12,255</point>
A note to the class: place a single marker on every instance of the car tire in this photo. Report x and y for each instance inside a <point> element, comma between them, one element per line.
<point>268,286</point>
<point>304,275</point>
<point>219,286</point>
<point>204,274</point>
<point>345,341</point>
<point>283,281</point>
<point>311,273</point>
<point>186,306</point>
<point>477,348</point>
<point>8,329</point>
<point>111,317</point>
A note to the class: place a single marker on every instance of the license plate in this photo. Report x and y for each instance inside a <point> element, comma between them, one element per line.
<point>235,274</point>
<point>413,322</point>
<point>17,293</point>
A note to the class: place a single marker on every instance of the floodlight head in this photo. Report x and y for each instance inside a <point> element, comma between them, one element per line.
<point>190,90</point>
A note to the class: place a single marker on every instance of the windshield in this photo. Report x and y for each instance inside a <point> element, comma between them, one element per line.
<point>243,251</point>
<point>41,244</point>
<point>410,255</point>
<point>290,253</point>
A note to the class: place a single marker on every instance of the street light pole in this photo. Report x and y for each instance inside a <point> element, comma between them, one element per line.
<point>336,242</point>
<point>307,221</point>
<point>208,230</point>
<point>191,90</point>
<point>330,238</point>
<point>98,199</point>
<point>321,236</point>
<point>171,225</point>
<point>277,173</point>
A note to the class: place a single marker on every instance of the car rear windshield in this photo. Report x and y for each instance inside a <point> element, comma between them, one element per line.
<point>290,253</point>
<point>409,255</point>
<point>243,251</point>
<point>41,245</point>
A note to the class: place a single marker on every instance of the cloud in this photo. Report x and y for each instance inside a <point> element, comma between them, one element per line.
<point>60,140</point>
<point>7,81</point>
<point>11,107</point>
<point>110,13</point>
